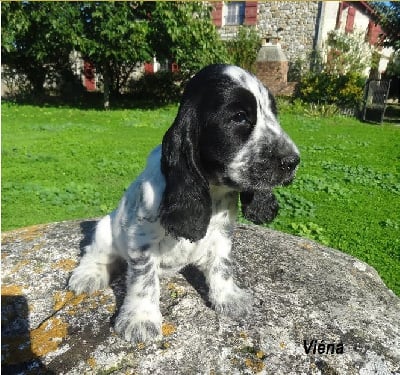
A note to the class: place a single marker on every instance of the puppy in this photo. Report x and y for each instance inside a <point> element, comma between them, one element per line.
<point>225,144</point>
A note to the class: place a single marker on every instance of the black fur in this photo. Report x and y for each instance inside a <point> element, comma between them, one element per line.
<point>186,205</point>
<point>259,207</point>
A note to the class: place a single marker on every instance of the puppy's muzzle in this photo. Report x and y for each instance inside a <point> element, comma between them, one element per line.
<point>289,163</point>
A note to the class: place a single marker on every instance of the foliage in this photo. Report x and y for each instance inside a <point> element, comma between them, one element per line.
<point>161,87</point>
<point>63,163</point>
<point>244,47</point>
<point>297,106</point>
<point>116,36</point>
<point>347,53</point>
<point>388,17</point>
<point>37,38</point>
<point>393,67</point>
<point>338,78</point>
<point>344,91</point>
<point>297,68</point>
<point>321,110</point>
<point>16,82</point>
<point>184,33</point>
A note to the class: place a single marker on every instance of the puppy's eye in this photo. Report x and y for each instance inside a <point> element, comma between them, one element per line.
<point>241,117</point>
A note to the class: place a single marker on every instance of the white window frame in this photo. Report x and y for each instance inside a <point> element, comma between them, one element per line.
<point>234,13</point>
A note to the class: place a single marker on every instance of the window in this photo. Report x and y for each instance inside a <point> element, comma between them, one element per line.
<point>234,12</point>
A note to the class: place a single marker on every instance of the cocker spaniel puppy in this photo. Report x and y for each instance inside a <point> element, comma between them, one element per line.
<point>225,143</point>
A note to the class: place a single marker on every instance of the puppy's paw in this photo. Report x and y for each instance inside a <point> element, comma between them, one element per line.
<point>88,279</point>
<point>137,328</point>
<point>236,303</point>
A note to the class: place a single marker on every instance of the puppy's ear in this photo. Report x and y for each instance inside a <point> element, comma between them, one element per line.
<point>186,204</point>
<point>259,206</point>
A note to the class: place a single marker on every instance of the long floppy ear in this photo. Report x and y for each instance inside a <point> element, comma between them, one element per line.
<point>185,209</point>
<point>259,207</point>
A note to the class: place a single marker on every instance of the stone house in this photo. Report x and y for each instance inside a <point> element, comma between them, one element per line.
<point>299,27</point>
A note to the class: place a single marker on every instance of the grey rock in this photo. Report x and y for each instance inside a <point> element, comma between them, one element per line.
<point>302,291</point>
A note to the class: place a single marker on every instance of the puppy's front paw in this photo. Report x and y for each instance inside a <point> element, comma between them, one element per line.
<point>236,303</point>
<point>137,328</point>
<point>88,279</point>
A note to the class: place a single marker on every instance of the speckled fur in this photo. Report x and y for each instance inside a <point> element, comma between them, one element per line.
<point>181,210</point>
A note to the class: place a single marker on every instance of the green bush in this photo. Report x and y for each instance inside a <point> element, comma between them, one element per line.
<point>244,47</point>
<point>344,90</point>
<point>161,87</point>
<point>337,74</point>
<point>298,107</point>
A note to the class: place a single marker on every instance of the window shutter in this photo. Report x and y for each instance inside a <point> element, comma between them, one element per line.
<point>373,32</point>
<point>250,15</point>
<point>216,14</point>
<point>350,20</point>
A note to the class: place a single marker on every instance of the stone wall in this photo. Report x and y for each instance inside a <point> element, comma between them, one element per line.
<point>298,21</point>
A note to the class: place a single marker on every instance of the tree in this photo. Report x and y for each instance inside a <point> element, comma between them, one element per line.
<point>183,32</point>
<point>116,37</point>
<point>388,17</point>
<point>37,38</point>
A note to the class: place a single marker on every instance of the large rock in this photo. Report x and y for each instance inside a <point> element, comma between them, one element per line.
<point>302,292</point>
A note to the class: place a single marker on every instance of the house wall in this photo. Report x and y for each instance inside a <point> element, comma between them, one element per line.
<point>298,21</point>
<point>327,21</point>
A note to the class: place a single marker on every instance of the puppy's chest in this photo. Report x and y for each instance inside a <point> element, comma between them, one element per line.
<point>175,254</point>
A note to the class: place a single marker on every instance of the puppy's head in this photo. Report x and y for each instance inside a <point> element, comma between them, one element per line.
<point>226,133</point>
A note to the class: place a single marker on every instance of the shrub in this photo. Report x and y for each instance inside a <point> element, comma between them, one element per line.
<point>161,87</point>
<point>344,90</point>
<point>347,53</point>
<point>244,47</point>
<point>321,110</point>
<point>337,74</point>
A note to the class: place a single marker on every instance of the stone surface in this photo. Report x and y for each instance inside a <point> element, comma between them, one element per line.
<point>302,291</point>
<point>296,20</point>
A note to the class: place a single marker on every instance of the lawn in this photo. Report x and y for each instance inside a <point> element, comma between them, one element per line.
<point>63,163</point>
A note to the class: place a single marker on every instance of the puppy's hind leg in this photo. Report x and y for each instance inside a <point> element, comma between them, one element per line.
<point>93,272</point>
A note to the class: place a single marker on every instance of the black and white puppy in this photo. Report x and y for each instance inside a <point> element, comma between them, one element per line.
<point>225,142</point>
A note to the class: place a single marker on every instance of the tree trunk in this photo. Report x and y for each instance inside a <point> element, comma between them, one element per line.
<point>107,86</point>
<point>37,78</point>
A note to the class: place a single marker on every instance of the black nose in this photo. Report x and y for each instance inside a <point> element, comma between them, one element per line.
<point>290,162</point>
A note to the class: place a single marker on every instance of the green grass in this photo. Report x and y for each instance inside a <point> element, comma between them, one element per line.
<point>62,163</point>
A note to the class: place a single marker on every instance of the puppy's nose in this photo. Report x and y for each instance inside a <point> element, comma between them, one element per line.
<point>290,162</point>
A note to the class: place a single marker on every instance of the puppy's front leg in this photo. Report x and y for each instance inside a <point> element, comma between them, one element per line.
<point>139,319</point>
<point>226,297</point>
